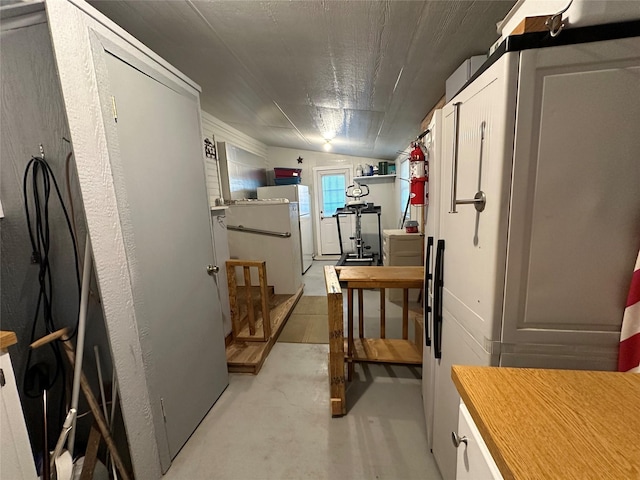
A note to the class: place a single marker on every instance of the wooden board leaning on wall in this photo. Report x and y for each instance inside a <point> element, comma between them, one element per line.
<point>425,122</point>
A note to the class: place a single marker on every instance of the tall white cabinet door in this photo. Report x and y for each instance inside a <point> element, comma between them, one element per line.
<point>575,212</point>
<point>433,144</point>
<point>476,241</point>
<point>135,128</point>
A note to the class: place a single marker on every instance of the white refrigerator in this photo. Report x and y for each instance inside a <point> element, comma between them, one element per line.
<point>267,230</point>
<point>300,194</point>
<point>538,275</point>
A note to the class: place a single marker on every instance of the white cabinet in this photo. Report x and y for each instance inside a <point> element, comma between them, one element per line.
<point>15,450</point>
<point>574,216</point>
<point>474,462</point>
<point>401,249</point>
<point>538,276</point>
<point>476,156</point>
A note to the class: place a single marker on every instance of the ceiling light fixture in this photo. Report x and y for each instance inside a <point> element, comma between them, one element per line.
<point>327,145</point>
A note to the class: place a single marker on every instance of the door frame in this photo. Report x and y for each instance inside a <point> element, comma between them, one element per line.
<point>317,188</point>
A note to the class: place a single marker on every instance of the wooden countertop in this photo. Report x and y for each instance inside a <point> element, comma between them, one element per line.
<point>7,339</point>
<point>555,424</point>
<point>381,277</point>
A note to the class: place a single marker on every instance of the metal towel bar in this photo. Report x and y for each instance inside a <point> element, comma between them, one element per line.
<point>241,228</point>
<point>480,199</point>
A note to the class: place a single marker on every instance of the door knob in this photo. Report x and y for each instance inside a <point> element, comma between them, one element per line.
<point>457,440</point>
<point>212,269</point>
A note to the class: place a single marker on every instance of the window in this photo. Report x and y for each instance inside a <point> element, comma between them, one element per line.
<point>333,187</point>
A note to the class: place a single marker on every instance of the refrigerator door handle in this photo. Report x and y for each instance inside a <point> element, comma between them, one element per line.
<point>438,284</point>
<point>428,277</point>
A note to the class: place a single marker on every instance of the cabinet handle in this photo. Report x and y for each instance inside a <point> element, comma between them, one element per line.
<point>428,276</point>
<point>438,283</point>
<point>480,199</point>
<point>458,440</point>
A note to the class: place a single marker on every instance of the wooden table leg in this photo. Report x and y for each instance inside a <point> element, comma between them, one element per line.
<point>383,326</point>
<point>349,334</point>
<point>249,299</point>
<point>405,313</point>
<point>335,310</point>
<point>360,314</point>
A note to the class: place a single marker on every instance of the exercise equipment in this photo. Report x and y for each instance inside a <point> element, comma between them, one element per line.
<point>358,207</point>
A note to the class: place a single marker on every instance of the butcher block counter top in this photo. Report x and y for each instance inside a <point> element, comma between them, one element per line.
<point>555,424</point>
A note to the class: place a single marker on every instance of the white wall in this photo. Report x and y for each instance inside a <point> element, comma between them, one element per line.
<point>382,192</point>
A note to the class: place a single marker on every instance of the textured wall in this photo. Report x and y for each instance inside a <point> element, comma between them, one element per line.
<point>33,114</point>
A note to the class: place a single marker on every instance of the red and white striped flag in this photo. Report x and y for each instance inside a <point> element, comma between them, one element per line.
<point>629,357</point>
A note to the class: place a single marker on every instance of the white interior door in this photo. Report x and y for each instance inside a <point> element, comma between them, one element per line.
<point>160,188</point>
<point>330,187</point>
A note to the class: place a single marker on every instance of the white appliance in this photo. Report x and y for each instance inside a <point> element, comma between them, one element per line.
<point>268,230</point>
<point>538,278</point>
<point>300,194</point>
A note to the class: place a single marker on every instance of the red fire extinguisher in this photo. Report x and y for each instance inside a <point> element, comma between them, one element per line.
<point>418,175</point>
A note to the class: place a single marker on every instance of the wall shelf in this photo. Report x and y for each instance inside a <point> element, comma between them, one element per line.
<point>390,176</point>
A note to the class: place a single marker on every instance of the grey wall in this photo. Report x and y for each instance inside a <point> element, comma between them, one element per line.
<point>33,114</point>
<point>215,128</point>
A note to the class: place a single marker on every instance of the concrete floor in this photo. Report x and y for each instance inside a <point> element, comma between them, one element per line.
<point>277,425</point>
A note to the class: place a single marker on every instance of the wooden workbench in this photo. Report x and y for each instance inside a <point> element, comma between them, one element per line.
<point>361,349</point>
<point>555,423</point>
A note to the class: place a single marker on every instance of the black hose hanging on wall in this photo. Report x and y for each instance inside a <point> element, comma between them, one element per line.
<point>42,178</point>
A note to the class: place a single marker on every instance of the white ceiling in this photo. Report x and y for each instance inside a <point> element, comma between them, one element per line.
<point>288,73</point>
